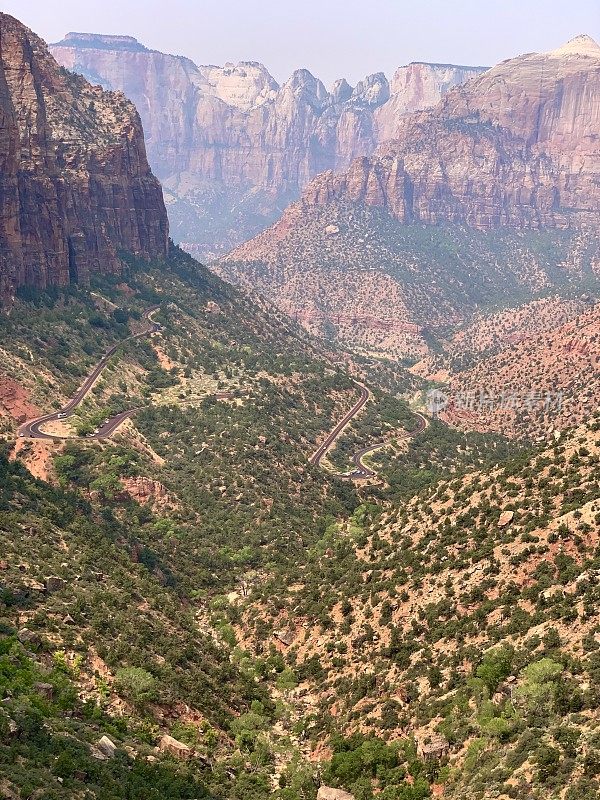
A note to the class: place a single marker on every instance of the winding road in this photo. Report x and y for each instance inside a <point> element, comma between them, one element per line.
<point>32,429</point>
<point>322,450</point>
<point>361,471</point>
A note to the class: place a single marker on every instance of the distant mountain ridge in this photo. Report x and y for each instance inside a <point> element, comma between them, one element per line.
<point>233,147</point>
<point>518,146</point>
<point>114,42</point>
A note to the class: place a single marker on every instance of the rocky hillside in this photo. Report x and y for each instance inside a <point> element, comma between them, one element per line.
<point>234,620</point>
<point>231,146</point>
<point>462,623</point>
<point>75,183</point>
<point>535,382</point>
<point>356,275</point>
<point>190,605</point>
<point>107,576</point>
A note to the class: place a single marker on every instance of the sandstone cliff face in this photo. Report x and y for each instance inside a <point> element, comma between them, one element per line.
<point>517,146</point>
<point>416,87</point>
<point>74,180</point>
<point>231,146</point>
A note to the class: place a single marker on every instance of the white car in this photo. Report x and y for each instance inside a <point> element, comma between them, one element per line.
<point>62,414</point>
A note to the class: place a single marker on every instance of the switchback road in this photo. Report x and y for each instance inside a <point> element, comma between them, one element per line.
<point>362,471</point>
<point>32,429</point>
<point>331,437</point>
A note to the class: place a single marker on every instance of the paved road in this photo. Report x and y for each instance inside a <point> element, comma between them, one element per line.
<point>32,429</point>
<point>330,440</point>
<point>362,471</point>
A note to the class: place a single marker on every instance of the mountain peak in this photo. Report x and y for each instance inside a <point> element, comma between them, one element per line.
<point>304,82</point>
<point>244,85</point>
<point>341,91</point>
<point>582,45</point>
<point>374,90</point>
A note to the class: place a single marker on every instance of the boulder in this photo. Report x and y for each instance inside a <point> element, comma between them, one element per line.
<point>328,793</point>
<point>27,637</point>
<point>506,517</point>
<point>432,747</point>
<point>46,690</point>
<point>54,583</point>
<point>175,748</point>
<point>106,747</point>
<point>33,586</point>
<point>285,637</point>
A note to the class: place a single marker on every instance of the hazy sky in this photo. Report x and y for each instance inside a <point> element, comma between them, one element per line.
<point>332,38</point>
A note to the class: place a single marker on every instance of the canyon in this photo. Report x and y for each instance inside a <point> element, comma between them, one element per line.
<point>75,183</point>
<point>232,147</point>
<point>196,602</point>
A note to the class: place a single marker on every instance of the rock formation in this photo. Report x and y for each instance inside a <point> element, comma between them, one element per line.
<point>147,490</point>
<point>231,146</point>
<point>493,193</point>
<point>105,748</point>
<point>75,183</point>
<point>175,748</point>
<point>329,793</point>
<point>517,146</point>
<point>416,87</point>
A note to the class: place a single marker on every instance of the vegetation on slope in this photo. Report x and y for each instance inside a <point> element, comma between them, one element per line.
<point>444,632</point>
<point>355,275</point>
<point>466,616</point>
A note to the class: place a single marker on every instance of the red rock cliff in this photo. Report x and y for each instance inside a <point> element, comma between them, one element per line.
<point>75,185</point>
